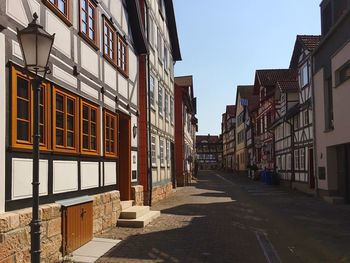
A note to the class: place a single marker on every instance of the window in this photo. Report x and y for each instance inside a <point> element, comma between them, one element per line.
<point>328,92</point>
<point>60,8</point>
<point>306,117</point>
<point>165,58</point>
<point>302,159</point>
<point>151,31</point>
<point>89,124</point>
<point>161,151</point>
<point>109,36</point>
<point>22,112</point>
<point>343,74</point>
<point>304,75</point>
<point>166,106</point>
<point>296,159</point>
<point>171,110</point>
<point>159,47</point>
<point>122,63</point>
<point>160,100</point>
<point>65,121</point>
<point>161,8</point>
<point>168,153</point>
<point>110,134</point>
<point>88,21</point>
<point>151,90</point>
<point>153,151</point>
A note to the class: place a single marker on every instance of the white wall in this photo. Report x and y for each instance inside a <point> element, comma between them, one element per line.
<point>2,121</point>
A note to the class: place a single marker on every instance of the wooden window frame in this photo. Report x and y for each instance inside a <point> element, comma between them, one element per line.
<point>85,36</point>
<point>161,152</point>
<point>21,144</point>
<point>66,16</point>
<point>98,138</point>
<point>154,151</point>
<point>65,148</point>
<point>121,41</point>
<point>110,27</point>
<point>115,153</point>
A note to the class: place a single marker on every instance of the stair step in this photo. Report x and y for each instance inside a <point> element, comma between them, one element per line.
<point>139,222</point>
<point>134,212</point>
<point>126,204</point>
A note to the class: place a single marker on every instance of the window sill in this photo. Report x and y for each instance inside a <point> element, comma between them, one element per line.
<point>341,83</point>
<point>89,41</point>
<point>125,74</point>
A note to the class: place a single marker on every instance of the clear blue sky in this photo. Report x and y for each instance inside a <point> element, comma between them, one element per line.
<point>223,42</point>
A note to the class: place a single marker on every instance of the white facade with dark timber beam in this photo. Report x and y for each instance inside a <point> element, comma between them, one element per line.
<point>89,102</point>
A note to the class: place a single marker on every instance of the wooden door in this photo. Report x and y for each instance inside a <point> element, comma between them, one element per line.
<point>78,223</point>
<point>124,175</point>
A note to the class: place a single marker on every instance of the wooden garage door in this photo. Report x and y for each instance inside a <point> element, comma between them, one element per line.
<point>78,224</point>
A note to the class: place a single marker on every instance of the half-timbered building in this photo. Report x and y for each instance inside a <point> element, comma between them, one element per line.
<point>157,118</point>
<point>265,86</point>
<point>283,127</point>
<point>89,104</point>
<point>228,132</point>
<point>209,152</point>
<point>303,153</point>
<point>242,114</point>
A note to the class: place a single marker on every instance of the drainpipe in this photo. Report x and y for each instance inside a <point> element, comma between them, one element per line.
<point>149,137</point>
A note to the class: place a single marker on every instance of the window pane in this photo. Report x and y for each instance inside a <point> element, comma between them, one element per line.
<point>70,106</point>
<point>107,134</point>
<point>22,130</point>
<point>59,102</point>
<point>83,27</point>
<point>85,112</point>
<point>42,135</point>
<point>42,119</point>
<point>85,142</point>
<point>85,127</point>
<point>91,11</point>
<point>93,115</point>
<point>22,88</point>
<point>70,123</point>
<point>61,6</point>
<point>22,109</point>
<point>107,147</point>
<point>59,120</point>
<point>59,137</point>
<point>93,143</point>
<point>93,129</point>
<point>91,34</point>
<point>70,139</point>
<point>112,147</point>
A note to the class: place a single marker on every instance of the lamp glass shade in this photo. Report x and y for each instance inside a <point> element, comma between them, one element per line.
<point>36,46</point>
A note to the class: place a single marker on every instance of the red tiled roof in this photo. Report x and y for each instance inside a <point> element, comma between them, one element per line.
<point>288,86</point>
<point>231,110</point>
<point>184,81</point>
<point>310,42</point>
<point>269,77</point>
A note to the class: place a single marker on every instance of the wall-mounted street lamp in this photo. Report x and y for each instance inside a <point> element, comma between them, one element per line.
<point>134,131</point>
<point>36,45</point>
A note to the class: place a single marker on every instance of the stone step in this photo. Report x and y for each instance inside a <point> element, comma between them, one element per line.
<point>139,222</point>
<point>134,212</point>
<point>126,204</point>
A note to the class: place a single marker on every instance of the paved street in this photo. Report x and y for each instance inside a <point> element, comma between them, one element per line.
<point>226,218</point>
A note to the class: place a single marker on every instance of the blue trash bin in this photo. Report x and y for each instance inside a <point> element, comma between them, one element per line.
<point>268,178</point>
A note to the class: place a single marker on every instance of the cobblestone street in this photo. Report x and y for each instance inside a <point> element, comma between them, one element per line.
<point>226,218</point>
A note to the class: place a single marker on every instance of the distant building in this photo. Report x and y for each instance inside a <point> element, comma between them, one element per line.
<point>228,133</point>
<point>209,152</point>
<point>331,85</point>
<point>185,129</point>
<point>244,93</point>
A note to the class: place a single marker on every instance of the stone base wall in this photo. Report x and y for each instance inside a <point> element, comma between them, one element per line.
<point>137,194</point>
<point>161,192</point>
<point>106,208</point>
<point>15,234</point>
